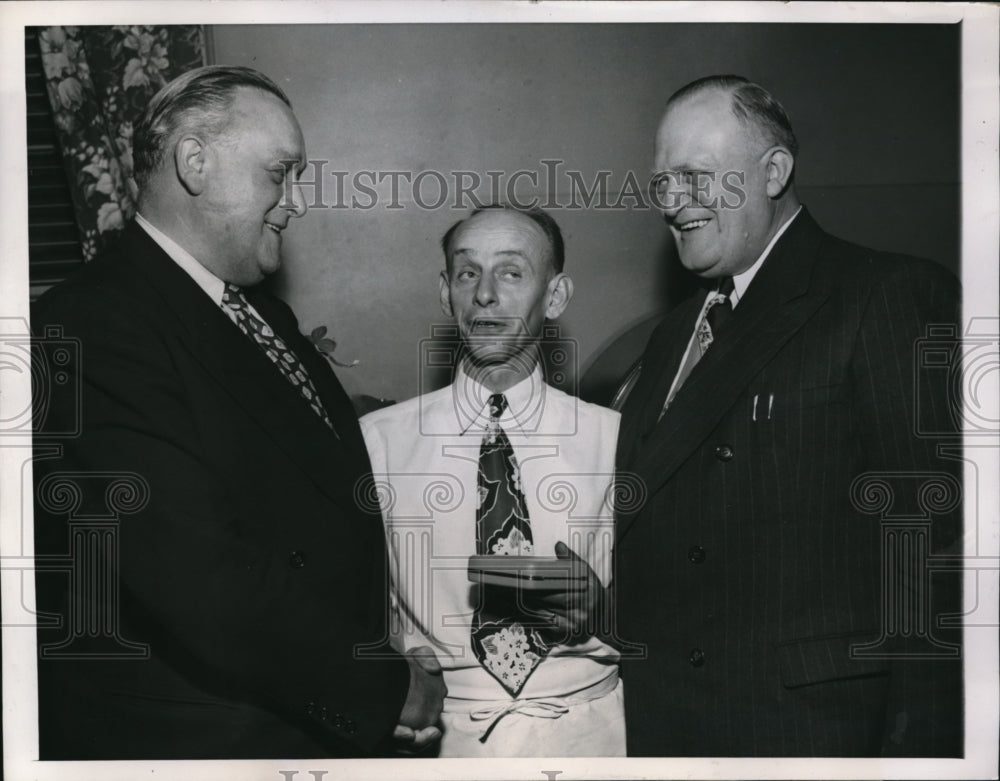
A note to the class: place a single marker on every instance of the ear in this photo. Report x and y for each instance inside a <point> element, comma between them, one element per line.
<point>190,158</point>
<point>780,165</point>
<point>560,291</point>
<point>445,294</point>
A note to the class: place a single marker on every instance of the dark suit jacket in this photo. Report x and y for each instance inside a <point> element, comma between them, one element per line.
<point>234,547</point>
<point>752,568</point>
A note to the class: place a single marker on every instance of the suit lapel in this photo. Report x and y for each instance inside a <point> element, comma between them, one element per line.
<point>660,363</point>
<point>335,399</point>
<point>245,372</point>
<point>776,305</point>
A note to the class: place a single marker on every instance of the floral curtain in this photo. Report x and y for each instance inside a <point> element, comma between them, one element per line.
<point>100,80</point>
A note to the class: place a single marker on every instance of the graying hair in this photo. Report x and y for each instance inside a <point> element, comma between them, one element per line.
<point>200,100</point>
<point>752,105</point>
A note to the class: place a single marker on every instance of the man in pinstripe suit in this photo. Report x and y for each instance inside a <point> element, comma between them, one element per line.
<point>748,581</point>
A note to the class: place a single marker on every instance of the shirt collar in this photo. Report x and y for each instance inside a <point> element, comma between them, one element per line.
<point>525,402</point>
<point>742,281</point>
<point>204,278</point>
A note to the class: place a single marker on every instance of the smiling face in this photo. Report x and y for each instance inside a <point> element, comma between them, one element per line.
<point>500,286</point>
<point>724,197</point>
<point>249,173</point>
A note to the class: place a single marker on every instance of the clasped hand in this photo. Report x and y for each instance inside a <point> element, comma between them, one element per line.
<point>417,729</point>
<point>564,617</point>
<point>568,616</point>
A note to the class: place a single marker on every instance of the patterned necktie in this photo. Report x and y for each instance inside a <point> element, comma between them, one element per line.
<point>507,649</point>
<point>274,348</point>
<point>718,310</point>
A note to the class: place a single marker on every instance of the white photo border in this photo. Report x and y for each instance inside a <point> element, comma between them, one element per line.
<point>980,218</point>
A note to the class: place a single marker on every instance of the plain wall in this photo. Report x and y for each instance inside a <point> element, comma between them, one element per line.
<point>875,108</point>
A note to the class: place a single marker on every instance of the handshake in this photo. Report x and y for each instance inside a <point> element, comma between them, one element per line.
<point>417,729</point>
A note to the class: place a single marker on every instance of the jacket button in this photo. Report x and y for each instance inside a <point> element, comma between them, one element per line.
<point>296,560</point>
<point>697,657</point>
<point>723,452</point>
<point>696,554</point>
<point>351,727</point>
<point>338,721</point>
<point>324,713</point>
<point>310,708</point>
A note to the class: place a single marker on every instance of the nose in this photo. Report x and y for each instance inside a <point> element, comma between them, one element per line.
<point>294,201</point>
<point>672,193</point>
<point>486,293</point>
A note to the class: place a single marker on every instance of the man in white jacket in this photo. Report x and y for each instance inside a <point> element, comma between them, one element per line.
<point>501,463</point>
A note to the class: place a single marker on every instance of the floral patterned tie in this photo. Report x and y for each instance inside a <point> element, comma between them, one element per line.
<point>504,646</point>
<point>719,310</point>
<point>274,348</point>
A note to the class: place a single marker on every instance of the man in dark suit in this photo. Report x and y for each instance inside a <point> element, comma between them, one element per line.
<point>219,586</point>
<point>772,579</point>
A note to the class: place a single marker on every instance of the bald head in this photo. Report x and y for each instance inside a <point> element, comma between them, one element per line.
<point>751,104</point>
<point>725,160</point>
<point>548,226</point>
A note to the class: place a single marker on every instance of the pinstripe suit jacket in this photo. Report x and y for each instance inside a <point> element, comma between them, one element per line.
<point>749,571</point>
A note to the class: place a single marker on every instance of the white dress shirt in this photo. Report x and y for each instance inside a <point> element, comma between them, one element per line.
<point>741,282</point>
<point>425,456</point>
<point>205,279</point>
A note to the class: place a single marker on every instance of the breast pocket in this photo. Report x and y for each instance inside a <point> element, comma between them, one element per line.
<point>776,406</point>
<point>801,421</point>
<point>827,658</point>
<point>791,435</point>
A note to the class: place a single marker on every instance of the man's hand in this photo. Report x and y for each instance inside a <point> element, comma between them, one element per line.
<point>417,728</point>
<point>570,615</point>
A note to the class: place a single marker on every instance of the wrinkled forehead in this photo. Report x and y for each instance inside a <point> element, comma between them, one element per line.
<point>711,109</point>
<point>702,127</point>
<point>501,233</point>
<point>257,115</point>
